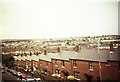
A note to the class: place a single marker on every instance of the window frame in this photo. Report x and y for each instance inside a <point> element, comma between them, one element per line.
<point>91,65</point>
<point>77,74</point>
<point>56,62</point>
<point>46,63</point>
<point>74,63</point>
<point>57,71</point>
<point>40,62</point>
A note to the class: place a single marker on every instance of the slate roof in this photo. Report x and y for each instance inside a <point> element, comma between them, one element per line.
<point>44,57</point>
<point>17,57</point>
<point>34,57</point>
<point>84,54</point>
<point>63,55</point>
<point>24,57</point>
<point>92,55</point>
<point>115,56</point>
<point>28,57</point>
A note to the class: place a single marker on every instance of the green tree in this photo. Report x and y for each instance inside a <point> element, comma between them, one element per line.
<point>8,60</point>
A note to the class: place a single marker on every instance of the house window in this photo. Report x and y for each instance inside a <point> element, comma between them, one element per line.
<point>47,63</point>
<point>90,65</point>
<point>63,64</point>
<point>74,63</point>
<point>40,62</point>
<point>36,63</point>
<point>57,71</point>
<point>77,74</point>
<point>56,62</point>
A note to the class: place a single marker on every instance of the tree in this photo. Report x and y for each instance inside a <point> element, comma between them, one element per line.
<point>8,60</point>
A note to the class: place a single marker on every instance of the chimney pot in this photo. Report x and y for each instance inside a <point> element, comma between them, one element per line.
<point>76,48</point>
<point>58,50</point>
<point>45,52</point>
<point>111,46</point>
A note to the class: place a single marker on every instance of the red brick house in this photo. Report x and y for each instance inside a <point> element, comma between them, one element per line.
<point>77,63</point>
<point>59,66</point>
<point>45,66</point>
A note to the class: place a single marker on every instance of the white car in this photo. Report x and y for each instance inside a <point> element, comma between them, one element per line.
<point>19,73</point>
<point>28,80</point>
<point>37,80</point>
<point>31,80</point>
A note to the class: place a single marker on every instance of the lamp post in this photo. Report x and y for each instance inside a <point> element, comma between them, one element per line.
<point>99,61</point>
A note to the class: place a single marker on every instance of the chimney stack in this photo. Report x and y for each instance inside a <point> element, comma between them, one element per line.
<point>76,48</point>
<point>25,53</point>
<point>58,49</point>
<point>21,54</point>
<point>36,53</point>
<point>45,52</point>
<point>30,53</point>
<point>111,47</point>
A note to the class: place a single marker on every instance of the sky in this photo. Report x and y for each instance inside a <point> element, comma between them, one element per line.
<point>35,19</point>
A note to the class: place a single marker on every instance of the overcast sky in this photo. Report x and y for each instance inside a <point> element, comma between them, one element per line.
<point>57,18</point>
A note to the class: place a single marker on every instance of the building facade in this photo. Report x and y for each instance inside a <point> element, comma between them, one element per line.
<point>82,64</point>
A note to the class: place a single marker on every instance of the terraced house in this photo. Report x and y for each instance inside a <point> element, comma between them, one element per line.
<point>83,63</point>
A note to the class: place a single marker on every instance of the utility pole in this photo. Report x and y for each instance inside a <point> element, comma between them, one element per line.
<point>99,60</point>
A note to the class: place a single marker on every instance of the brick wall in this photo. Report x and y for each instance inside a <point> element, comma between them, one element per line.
<point>82,67</point>
<point>108,69</point>
<point>114,70</point>
<point>45,65</point>
<point>60,67</point>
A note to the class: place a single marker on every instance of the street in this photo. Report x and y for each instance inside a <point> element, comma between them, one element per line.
<point>8,77</point>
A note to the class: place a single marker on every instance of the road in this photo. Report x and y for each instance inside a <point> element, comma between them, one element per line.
<point>8,77</point>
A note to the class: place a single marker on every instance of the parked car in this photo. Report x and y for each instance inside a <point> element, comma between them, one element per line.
<point>37,79</point>
<point>23,76</point>
<point>8,70</point>
<point>18,74</point>
<point>2,69</point>
<point>30,79</point>
<point>14,72</point>
<point>11,70</point>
